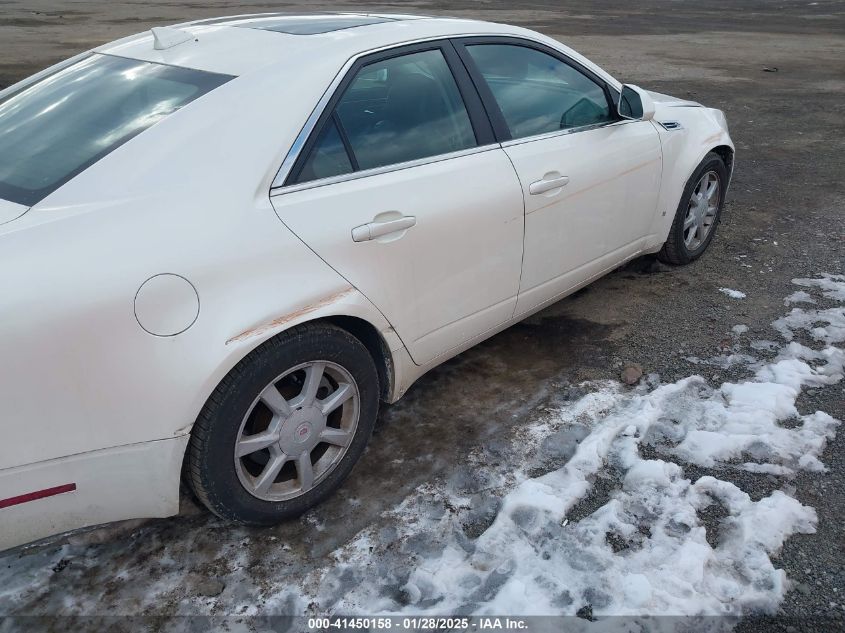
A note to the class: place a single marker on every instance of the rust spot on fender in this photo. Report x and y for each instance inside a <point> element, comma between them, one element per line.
<point>291,316</point>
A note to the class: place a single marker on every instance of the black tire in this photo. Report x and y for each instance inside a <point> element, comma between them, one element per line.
<point>674,250</point>
<point>211,470</point>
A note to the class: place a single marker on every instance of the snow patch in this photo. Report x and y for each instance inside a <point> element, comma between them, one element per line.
<point>733,294</point>
<point>832,286</point>
<point>722,361</point>
<point>799,296</point>
<point>645,550</point>
<point>764,346</point>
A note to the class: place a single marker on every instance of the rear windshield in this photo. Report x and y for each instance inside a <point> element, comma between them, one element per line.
<point>52,130</point>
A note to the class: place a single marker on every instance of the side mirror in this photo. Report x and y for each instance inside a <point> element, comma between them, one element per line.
<point>635,104</point>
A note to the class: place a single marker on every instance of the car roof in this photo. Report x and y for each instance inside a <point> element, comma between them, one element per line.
<point>239,45</point>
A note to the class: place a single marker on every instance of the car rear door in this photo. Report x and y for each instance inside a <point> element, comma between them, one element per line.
<point>402,188</point>
<point>590,181</point>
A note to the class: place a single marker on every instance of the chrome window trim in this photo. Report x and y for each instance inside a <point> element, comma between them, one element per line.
<point>384,169</point>
<point>278,186</point>
<point>311,121</point>
<point>566,132</point>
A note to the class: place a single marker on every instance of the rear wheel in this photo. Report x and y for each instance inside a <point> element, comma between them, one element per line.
<point>698,213</point>
<point>285,427</point>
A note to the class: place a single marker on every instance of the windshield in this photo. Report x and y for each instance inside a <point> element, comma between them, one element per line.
<point>52,130</point>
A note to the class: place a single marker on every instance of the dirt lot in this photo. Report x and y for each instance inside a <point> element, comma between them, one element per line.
<point>778,71</point>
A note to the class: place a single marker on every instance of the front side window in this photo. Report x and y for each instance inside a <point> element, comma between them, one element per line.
<point>395,110</point>
<point>538,93</point>
<point>54,129</point>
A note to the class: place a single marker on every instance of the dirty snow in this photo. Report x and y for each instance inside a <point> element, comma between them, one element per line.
<point>832,285</point>
<point>764,346</point>
<point>600,504</point>
<point>722,361</point>
<point>799,296</point>
<point>644,551</point>
<point>733,294</point>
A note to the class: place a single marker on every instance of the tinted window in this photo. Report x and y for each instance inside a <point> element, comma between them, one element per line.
<point>402,109</point>
<point>54,129</point>
<point>538,93</point>
<point>328,158</point>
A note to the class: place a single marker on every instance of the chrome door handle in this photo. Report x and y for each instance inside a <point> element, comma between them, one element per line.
<point>372,230</point>
<point>547,184</point>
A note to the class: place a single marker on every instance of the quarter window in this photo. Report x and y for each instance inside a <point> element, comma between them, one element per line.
<point>395,110</point>
<point>329,157</point>
<point>538,93</point>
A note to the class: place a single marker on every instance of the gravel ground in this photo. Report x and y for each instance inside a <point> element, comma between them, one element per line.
<point>776,69</point>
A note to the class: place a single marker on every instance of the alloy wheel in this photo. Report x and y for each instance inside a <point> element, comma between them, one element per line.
<point>297,431</point>
<point>703,207</point>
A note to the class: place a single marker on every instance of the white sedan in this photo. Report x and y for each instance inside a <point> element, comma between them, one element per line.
<point>223,243</point>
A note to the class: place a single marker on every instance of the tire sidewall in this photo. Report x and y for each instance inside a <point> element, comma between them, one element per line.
<point>711,162</point>
<point>219,477</point>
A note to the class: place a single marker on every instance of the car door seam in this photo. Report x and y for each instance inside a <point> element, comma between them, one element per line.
<point>522,258</point>
<point>657,203</point>
<point>342,276</point>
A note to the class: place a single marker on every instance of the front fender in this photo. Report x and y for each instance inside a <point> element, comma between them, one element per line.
<point>699,130</point>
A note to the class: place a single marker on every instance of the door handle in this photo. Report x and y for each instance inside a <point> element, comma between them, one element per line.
<point>372,230</point>
<point>547,184</point>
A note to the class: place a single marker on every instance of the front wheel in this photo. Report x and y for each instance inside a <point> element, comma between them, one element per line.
<point>698,213</point>
<point>285,427</point>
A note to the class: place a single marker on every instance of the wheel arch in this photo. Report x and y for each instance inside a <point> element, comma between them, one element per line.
<point>342,305</point>
<point>682,154</point>
<point>355,324</point>
<point>727,154</point>
<point>361,328</point>
<point>376,345</point>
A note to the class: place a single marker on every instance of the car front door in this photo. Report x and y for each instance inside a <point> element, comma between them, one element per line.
<point>590,181</point>
<point>402,188</point>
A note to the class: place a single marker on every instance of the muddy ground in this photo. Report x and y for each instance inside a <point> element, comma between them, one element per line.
<point>778,71</point>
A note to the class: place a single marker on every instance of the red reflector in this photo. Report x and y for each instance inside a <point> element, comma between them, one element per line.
<point>38,494</point>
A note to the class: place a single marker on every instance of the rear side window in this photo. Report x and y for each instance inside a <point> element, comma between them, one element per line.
<point>395,110</point>
<point>538,93</point>
<point>59,126</point>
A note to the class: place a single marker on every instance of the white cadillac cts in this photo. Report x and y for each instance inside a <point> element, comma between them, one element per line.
<point>223,243</point>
